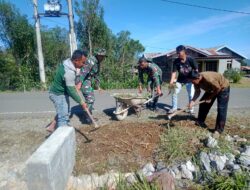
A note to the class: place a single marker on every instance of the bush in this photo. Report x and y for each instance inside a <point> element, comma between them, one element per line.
<point>233,75</point>
<point>238,181</point>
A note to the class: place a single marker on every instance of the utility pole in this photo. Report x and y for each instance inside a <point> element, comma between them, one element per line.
<point>39,45</point>
<point>72,35</point>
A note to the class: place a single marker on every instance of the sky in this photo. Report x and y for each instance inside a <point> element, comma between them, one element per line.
<point>161,26</point>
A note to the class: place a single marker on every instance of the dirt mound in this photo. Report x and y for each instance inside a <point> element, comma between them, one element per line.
<point>119,146</point>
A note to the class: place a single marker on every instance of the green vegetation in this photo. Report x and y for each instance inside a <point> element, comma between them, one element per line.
<point>178,144</point>
<point>238,181</point>
<point>233,75</point>
<point>140,184</point>
<point>18,56</point>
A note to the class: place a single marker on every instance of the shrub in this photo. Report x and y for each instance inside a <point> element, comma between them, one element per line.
<point>233,75</point>
<point>238,181</point>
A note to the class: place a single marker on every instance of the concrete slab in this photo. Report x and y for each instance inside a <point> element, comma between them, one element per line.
<point>51,165</point>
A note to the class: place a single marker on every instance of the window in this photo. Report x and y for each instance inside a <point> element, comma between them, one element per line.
<point>212,66</point>
<point>229,64</point>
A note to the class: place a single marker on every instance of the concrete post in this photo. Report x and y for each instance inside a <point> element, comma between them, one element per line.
<point>51,165</point>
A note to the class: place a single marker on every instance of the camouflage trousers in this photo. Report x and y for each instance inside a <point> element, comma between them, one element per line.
<point>88,93</point>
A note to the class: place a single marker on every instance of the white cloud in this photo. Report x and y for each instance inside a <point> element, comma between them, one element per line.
<point>194,28</point>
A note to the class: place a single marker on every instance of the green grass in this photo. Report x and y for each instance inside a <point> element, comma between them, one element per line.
<point>140,184</point>
<point>237,181</point>
<point>243,83</point>
<point>178,143</point>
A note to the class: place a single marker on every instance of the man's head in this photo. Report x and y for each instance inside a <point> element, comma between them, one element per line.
<point>100,54</point>
<point>195,77</point>
<point>78,58</point>
<point>143,62</point>
<point>181,51</point>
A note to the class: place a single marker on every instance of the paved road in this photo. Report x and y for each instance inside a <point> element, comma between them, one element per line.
<point>38,102</point>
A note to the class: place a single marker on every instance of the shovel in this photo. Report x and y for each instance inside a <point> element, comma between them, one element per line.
<point>96,126</point>
<point>184,109</point>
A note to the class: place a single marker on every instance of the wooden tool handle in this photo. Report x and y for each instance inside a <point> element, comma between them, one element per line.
<point>182,110</point>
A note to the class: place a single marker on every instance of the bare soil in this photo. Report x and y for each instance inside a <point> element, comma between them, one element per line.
<point>125,146</point>
<point>121,146</point>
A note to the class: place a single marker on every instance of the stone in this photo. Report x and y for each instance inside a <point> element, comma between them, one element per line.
<point>237,138</point>
<point>247,151</point>
<point>94,180</point>
<point>211,142</point>
<point>216,135</point>
<point>112,178</point>
<point>160,165</point>
<point>236,167</point>
<point>172,173</point>
<point>242,126</point>
<point>84,183</point>
<point>176,172</point>
<point>51,165</point>
<point>131,178</point>
<point>147,170</point>
<point>205,161</point>
<point>190,166</point>
<point>244,159</point>
<point>3,184</point>
<point>185,173</point>
<point>163,179</point>
<point>229,138</point>
<point>72,183</point>
<point>218,162</point>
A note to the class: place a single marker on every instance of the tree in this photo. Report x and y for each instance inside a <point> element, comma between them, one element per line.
<point>91,29</point>
<point>55,48</point>
<point>17,35</point>
<point>122,51</point>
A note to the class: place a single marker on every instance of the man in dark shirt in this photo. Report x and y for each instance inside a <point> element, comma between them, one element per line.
<point>216,86</point>
<point>183,65</point>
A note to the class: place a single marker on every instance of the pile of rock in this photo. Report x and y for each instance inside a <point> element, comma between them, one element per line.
<point>165,176</point>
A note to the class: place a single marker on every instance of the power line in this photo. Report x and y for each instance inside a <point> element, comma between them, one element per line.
<point>158,47</point>
<point>204,7</point>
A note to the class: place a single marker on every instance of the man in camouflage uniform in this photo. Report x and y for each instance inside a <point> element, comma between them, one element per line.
<point>154,80</point>
<point>89,77</point>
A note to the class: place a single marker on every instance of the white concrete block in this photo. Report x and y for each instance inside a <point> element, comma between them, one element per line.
<point>51,165</point>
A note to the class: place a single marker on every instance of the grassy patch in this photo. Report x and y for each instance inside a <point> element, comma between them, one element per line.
<point>243,83</point>
<point>237,181</point>
<point>140,184</point>
<point>180,143</point>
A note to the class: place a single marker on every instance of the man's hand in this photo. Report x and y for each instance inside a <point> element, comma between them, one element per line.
<point>78,86</point>
<point>84,106</point>
<point>158,91</point>
<point>140,89</point>
<point>149,89</point>
<point>208,101</point>
<point>191,104</point>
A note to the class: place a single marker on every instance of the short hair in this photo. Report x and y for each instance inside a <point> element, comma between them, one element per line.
<point>144,59</point>
<point>180,48</point>
<point>194,75</point>
<point>77,54</point>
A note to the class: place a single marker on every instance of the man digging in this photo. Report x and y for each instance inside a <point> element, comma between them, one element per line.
<point>154,80</point>
<point>216,86</point>
<point>63,86</point>
<point>89,78</point>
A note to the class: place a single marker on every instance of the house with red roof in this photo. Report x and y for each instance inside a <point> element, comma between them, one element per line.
<point>217,59</point>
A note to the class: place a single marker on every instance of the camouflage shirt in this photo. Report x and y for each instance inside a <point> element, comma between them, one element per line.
<point>90,71</point>
<point>154,74</point>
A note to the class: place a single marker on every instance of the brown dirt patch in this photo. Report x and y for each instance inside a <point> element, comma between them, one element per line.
<point>126,146</point>
<point>120,146</point>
